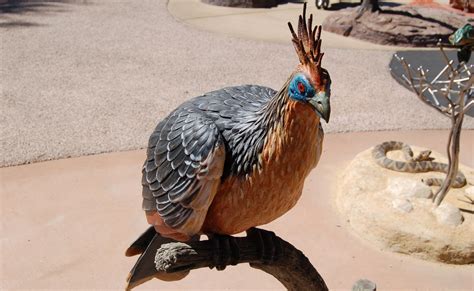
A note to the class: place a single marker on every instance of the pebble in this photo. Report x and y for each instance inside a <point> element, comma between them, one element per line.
<point>408,188</point>
<point>403,205</point>
<point>364,285</point>
<point>448,214</point>
<point>470,191</point>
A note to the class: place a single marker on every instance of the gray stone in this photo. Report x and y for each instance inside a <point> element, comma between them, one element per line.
<point>364,285</point>
<point>470,191</point>
<point>404,25</point>
<point>408,188</point>
<point>402,204</point>
<point>448,214</point>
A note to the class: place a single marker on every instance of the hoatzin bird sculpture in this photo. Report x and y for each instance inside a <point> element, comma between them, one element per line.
<point>235,158</point>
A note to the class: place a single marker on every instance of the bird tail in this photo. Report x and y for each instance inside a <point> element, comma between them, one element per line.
<point>146,245</point>
<point>141,243</point>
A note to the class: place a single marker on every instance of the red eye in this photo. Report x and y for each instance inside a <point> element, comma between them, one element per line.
<point>301,87</point>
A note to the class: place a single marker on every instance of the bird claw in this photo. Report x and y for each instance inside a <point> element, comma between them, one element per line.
<point>226,251</point>
<point>268,245</point>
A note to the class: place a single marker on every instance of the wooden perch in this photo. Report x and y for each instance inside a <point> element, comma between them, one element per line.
<point>287,264</point>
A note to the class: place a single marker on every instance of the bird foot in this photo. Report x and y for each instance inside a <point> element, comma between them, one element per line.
<point>225,252</point>
<point>268,244</point>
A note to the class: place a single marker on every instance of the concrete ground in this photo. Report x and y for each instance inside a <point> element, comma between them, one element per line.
<point>261,24</point>
<point>66,225</point>
<point>94,76</point>
<point>81,79</point>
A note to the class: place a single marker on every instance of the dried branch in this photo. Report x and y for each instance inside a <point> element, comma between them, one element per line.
<point>468,106</point>
<point>453,150</point>
<point>467,95</point>
<point>292,268</point>
<point>439,89</point>
<point>423,86</point>
<point>260,248</point>
<point>446,59</point>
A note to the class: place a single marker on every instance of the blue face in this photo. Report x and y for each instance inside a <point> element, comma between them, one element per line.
<point>300,89</point>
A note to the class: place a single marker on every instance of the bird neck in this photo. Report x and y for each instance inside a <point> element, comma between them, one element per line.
<point>285,118</point>
<point>273,112</point>
<point>281,110</point>
<point>279,124</point>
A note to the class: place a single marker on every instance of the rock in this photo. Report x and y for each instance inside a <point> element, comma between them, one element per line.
<point>460,4</point>
<point>408,188</point>
<point>448,214</point>
<point>364,285</point>
<point>470,191</point>
<point>403,205</point>
<point>405,25</point>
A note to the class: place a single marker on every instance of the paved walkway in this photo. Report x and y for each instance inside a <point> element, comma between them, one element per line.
<point>88,78</point>
<point>260,24</point>
<point>67,223</point>
<point>80,79</point>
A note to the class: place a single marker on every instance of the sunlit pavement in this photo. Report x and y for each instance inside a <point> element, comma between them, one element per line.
<point>67,223</point>
<point>75,90</point>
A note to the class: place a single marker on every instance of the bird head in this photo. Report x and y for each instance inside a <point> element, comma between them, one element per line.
<point>310,83</point>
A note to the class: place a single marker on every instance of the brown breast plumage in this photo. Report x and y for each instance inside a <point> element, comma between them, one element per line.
<point>291,150</point>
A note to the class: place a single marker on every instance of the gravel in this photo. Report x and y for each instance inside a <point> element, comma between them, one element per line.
<point>96,76</point>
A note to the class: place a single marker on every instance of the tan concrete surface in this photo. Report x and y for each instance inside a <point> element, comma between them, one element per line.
<point>65,225</point>
<point>268,24</point>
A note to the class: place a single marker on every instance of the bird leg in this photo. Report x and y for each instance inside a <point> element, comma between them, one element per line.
<point>225,252</point>
<point>269,246</point>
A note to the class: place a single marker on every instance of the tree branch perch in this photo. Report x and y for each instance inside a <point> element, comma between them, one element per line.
<point>291,266</point>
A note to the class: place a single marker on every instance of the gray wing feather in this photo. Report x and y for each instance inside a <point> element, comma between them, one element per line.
<point>186,152</point>
<point>185,162</point>
<point>237,111</point>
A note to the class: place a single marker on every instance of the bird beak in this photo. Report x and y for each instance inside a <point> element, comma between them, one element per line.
<point>321,105</point>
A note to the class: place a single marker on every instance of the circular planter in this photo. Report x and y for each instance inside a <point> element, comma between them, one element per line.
<point>382,209</point>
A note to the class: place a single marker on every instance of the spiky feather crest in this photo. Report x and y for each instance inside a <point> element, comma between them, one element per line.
<point>307,44</point>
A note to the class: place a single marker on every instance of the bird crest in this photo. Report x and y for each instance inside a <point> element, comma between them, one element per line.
<point>307,44</point>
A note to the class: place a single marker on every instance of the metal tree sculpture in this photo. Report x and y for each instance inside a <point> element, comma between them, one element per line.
<point>451,94</point>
